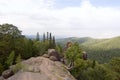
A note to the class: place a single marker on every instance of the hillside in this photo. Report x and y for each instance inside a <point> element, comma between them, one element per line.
<point>63,41</point>
<point>111,43</point>
<point>101,50</point>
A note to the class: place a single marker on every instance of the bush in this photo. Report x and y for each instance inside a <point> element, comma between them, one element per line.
<point>18,65</point>
<point>1,68</point>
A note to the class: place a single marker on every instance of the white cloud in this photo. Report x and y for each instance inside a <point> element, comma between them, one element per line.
<point>40,16</point>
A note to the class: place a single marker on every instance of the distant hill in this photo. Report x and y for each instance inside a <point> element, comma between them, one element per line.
<point>112,43</point>
<point>63,41</point>
<point>101,50</point>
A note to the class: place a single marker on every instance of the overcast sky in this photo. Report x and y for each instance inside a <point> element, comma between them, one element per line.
<point>65,18</point>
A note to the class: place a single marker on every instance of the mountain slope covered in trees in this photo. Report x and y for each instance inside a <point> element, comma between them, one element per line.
<point>15,47</point>
<point>101,50</point>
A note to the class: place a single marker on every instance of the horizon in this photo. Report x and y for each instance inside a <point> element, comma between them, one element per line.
<point>63,37</point>
<point>64,18</point>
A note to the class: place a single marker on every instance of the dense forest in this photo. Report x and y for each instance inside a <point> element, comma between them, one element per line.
<point>91,69</point>
<point>101,50</point>
<point>13,44</point>
<point>15,47</point>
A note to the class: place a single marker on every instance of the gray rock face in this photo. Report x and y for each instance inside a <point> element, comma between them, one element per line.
<point>46,55</point>
<point>53,58</point>
<point>6,74</point>
<point>53,52</point>
<point>1,78</point>
<point>41,68</point>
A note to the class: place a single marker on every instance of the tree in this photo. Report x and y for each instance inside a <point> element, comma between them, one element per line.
<point>9,29</point>
<point>1,68</point>
<point>18,65</point>
<point>9,37</point>
<point>10,44</point>
<point>37,36</point>
<point>59,48</point>
<point>26,48</point>
<point>73,52</point>
<point>53,43</point>
<point>50,41</point>
<point>44,37</point>
<point>47,35</point>
<point>94,64</point>
<point>18,59</point>
<point>10,59</point>
<point>114,65</point>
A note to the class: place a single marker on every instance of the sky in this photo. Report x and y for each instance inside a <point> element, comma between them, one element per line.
<point>64,18</point>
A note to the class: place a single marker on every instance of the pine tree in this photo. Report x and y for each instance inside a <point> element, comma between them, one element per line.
<point>18,59</point>
<point>10,59</point>
<point>54,44</point>
<point>18,65</point>
<point>1,68</point>
<point>37,37</point>
<point>50,41</point>
<point>47,35</point>
<point>44,37</point>
<point>93,64</point>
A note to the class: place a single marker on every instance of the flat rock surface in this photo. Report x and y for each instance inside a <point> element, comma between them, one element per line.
<point>41,68</point>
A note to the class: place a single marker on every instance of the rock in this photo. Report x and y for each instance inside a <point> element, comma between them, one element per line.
<point>53,58</point>
<point>47,70</point>
<point>53,52</point>
<point>1,78</point>
<point>36,69</point>
<point>30,69</point>
<point>46,55</point>
<point>84,55</point>
<point>6,74</point>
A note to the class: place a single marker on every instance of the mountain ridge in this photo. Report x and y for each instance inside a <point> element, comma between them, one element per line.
<point>101,50</point>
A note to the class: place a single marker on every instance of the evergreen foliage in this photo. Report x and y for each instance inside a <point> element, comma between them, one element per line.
<point>10,58</point>
<point>101,50</point>
<point>13,44</point>
<point>92,70</point>
<point>37,36</point>
<point>18,65</point>
<point>73,52</point>
<point>11,40</point>
<point>1,68</point>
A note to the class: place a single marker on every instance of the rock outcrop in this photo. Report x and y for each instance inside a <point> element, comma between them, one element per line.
<point>52,55</point>
<point>7,73</point>
<point>41,68</point>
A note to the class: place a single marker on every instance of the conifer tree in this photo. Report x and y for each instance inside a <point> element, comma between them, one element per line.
<point>18,65</point>
<point>18,59</point>
<point>10,59</point>
<point>1,68</point>
<point>54,44</point>
<point>37,37</point>
<point>44,37</point>
<point>50,41</point>
<point>47,35</point>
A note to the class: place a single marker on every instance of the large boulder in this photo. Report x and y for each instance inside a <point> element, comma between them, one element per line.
<point>46,55</point>
<point>53,58</point>
<point>1,78</point>
<point>53,52</point>
<point>41,68</point>
<point>6,74</point>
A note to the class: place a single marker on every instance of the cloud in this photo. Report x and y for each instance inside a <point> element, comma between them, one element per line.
<point>42,15</point>
<point>25,6</point>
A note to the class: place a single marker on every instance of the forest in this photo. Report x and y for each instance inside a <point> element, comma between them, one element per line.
<point>13,44</point>
<point>15,47</point>
<point>101,50</point>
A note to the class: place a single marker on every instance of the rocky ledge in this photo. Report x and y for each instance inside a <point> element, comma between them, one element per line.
<point>41,68</point>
